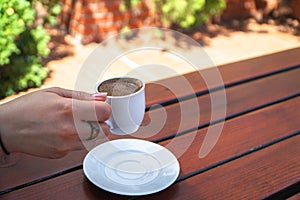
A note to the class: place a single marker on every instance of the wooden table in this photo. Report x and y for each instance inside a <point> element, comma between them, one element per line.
<point>257,155</point>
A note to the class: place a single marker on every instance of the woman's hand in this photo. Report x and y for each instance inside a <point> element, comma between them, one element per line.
<point>51,122</point>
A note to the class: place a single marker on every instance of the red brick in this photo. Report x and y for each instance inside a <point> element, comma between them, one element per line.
<point>295,5</point>
<point>98,8</point>
<point>83,30</point>
<point>67,3</point>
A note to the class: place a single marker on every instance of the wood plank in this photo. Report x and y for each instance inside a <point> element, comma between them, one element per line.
<point>29,168</point>
<point>70,186</point>
<point>231,73</point>
<point>179,118</point>
<point>238,135</point>
<point>233,141</point>
<point>295,197</point>
<point>251,177</point>
<point>289,192</point>
<point>239,98</point>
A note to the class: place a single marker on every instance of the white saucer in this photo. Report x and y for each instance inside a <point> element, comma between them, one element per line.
<point>131,167</point>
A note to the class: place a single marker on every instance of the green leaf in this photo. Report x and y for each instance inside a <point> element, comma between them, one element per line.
<point>56,9</point>
<point>23,44</point>
<point>188,13</point>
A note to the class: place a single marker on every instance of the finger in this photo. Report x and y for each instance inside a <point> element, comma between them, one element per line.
<point>100,96</point>
<point>79,95</point>
<point>87,129</point>
<point>60,91</point>
<point>89,97</point>
<point>91,110</point>
<point>88,139</point>
<point>103,137</point>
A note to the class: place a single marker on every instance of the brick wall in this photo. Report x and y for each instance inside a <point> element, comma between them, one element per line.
<point>96,20</point>
<point>239,9</point>
<point>295,5</point>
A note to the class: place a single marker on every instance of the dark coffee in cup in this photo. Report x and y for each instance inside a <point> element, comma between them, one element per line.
<point>120,86</point>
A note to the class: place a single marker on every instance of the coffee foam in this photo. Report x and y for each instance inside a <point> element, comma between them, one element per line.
<point>120,86</point>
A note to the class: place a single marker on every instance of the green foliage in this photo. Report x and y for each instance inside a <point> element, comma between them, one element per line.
<point>183,13</point>
<point>23,43</point>
<point>188,13</point>
<point>14,17</point>
<point>53,8</point>
<point>128,4</point>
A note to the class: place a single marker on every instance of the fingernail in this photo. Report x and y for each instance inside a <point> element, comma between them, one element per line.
<point>100,96</point>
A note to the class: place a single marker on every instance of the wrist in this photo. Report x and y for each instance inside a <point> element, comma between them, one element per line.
<point>4,139</point>
<point>2,147</point>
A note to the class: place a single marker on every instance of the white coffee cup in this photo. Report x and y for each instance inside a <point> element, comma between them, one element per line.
<point>128,109</point>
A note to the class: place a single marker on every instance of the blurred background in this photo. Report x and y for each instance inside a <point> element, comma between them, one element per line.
<point>43,43</point>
